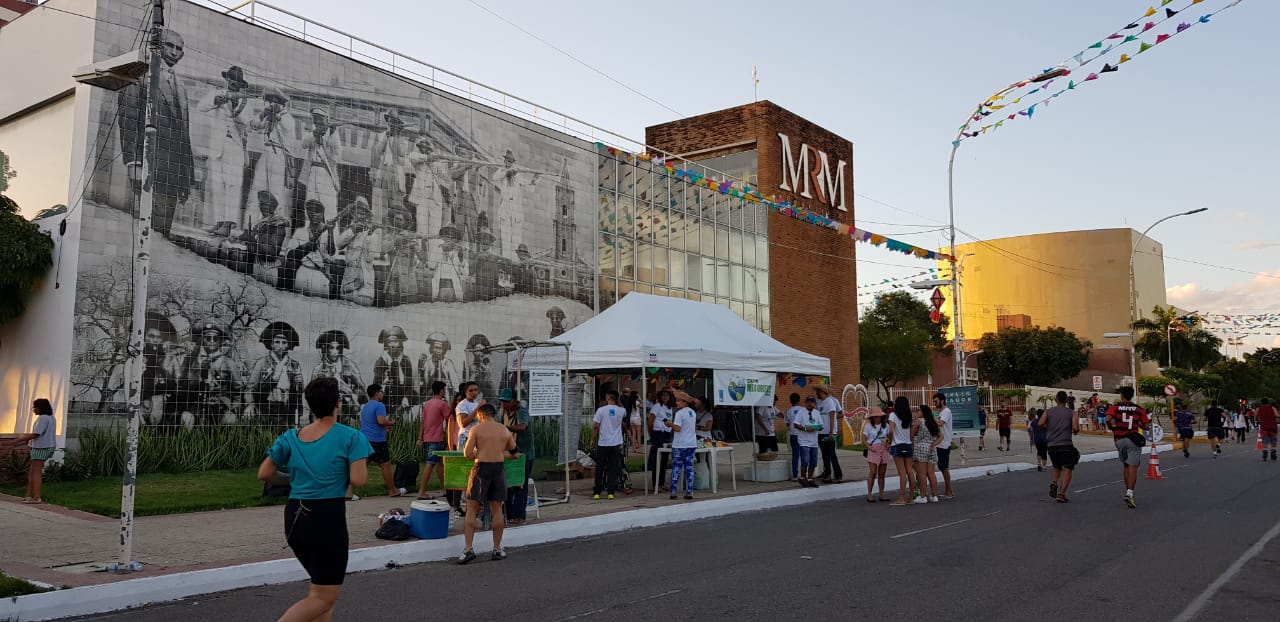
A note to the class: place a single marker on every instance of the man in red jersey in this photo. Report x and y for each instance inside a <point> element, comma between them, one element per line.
<point>1126,421</point>
<point>1267,428</point>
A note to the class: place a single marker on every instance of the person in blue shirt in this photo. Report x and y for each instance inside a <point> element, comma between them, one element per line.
<point>374,424</point>
<point>1185,422</point>
<point>321,459</point>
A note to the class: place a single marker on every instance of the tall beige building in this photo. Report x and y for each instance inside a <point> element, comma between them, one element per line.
<point>1078,280</point>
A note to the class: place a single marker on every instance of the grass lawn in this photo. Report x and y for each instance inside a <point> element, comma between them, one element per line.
<point>13,586</point>
<point>176,493</point>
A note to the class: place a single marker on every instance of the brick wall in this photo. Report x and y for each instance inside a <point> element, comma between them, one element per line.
<point>812,274</point>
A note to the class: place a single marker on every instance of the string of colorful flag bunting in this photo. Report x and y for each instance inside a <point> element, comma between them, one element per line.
<point>736,189</point>
<point>1243,321</point>
<point>1131,33</point>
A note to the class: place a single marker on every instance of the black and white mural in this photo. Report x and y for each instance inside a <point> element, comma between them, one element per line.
<point>317,217</point>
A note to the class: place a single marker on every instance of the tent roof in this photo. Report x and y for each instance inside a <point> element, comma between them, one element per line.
<point>643,330</point>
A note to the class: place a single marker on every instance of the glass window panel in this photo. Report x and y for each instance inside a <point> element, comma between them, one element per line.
<point>661,291</point>
<point>608,255</point>
<point>750,286</point>
<point>644,179</point>
<point>749,314</point>
<point>763,312</point>
<point>693,273</point>
<point>762,286</point>
<point>644,262</point>
<point>708,238</point>
<point>661,218</point>
<point>626,258</point>
<point>736,212</point>
<point>608,292</point>
<point>661,194</point>
<point>762,251</point>
<point>624,288</point>
<point>644,288</point>
<point>738,309</point>
<point>677,269</point>
<point>608,172</point>
<point>735,282</point>
<point>675,229</point>
<point>722,243</point>
<point>723,289</point>
<point>644,221</point>
<point>749,217</point>
<point>708,275</point>
<point>693,296</point>
<point>626,179</point>
<point>626,222</point>
<point>749,250</point>
<point>661,272</point>
<point>735,246</point>
<point>707,203</point>
<point>608,211</point>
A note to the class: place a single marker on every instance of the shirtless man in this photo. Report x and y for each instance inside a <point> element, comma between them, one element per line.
<point>489,443</point>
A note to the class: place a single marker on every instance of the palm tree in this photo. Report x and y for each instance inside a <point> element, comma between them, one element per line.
<point>1193,346</point>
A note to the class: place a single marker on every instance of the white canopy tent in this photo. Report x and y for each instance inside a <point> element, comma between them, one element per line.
<point>643,330</point>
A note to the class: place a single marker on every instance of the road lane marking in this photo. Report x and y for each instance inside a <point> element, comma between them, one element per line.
<point>1201,601</point>
<point>631,602</point>
<point>1080,490</point>
<point>951,524</point>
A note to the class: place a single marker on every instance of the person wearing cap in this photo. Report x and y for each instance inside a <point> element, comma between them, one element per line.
<point>555,315</point>
<point>210,378</point>
<point>225,153</point>
<point>517,187</point>
<point>173,169</point>
<point>516,418</point>
<point>275,380</point>
<point>830,411</point>
<point>387,168</point>
<point>302,248</point>
<point>875,435</point>
<point>684,444</point>
<point>355,242</point>
<point>475,364</point>
<point>394,372</point>
<point>433,366</point>
<point>321,153</point>
<point>334,363</point>
<point>806,426</point>
<point>270,135</point>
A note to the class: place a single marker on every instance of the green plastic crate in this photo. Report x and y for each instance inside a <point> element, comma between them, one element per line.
<point>457,470</point>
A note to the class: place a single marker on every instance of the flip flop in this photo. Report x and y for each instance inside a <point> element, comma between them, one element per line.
<point>398,494</point>
<point>898,504</point>
<point>870,500</point>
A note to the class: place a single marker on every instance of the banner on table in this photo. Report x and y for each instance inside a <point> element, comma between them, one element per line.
<point>963,402</point>
<point>744,388</point>
<point>545,391</point>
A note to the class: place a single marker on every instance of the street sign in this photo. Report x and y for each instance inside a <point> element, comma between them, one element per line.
<point>963,402</point>
<point>1157,433</point>
<point>937,298</point>
<point>1170,390</point>
<point>1097,383</point>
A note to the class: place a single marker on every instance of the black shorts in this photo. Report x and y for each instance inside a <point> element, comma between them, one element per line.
<point>381,452</point>
<point>1042,450</point>
<point>767,442</point>
<point>316,530</point>
<point>1064,457</point>
<point>1186,433</point>
<point>488,483</point>
<point>1218,432</point>
<point>944,458</point>
<point>1005,432</point>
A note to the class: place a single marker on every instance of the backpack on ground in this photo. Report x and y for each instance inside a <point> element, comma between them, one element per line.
<point>393,529</point>
<point>406,475</point>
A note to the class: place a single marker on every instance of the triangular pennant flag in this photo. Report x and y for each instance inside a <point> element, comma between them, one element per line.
<point>1031,111</point>
<point>1096,45</point>
<point>1106,50</point>
<point>1196,1</point>
<point>1107,68</point>
<point>1000,122</point>
<point>1162,38</point>
<point>1092,76</point>
<point>1131,26</point>
<point>1079,58</point>
<point>1183,26</point>
<point>1169,13</point>
<point>1144,47</point>
<point>1124,58</point>
<point>1150,11</point>
<point>1165,2</point>
<point>1204,19</point>
<point>1148,26</point>
<point>1114,35</point>
<point>1012,117</point>
<point>1128,39</point>
<point>1015,101</point>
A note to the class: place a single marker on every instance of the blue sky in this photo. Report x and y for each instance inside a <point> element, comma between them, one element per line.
<point>1190,123</point>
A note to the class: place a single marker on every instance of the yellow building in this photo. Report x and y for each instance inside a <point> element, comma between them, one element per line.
<point>1078,280</point>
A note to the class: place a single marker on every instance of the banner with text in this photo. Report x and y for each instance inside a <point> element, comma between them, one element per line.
<point>963,402</point>
<point>545,393</point>
<point>744,388</point>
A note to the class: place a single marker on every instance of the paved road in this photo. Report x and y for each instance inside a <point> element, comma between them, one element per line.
<point>1001,551</point>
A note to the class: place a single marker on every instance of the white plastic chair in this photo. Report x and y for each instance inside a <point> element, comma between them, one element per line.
<point>533,496</point>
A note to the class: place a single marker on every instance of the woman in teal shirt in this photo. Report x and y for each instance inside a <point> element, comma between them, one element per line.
<point>321,459</point>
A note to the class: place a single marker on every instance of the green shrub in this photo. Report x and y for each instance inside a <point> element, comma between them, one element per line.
<point>11,587</point>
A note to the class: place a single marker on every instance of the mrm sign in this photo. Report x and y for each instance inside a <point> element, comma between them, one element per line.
<point>807,172</point>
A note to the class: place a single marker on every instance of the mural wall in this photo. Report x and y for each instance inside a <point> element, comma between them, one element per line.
<point>317,217</point>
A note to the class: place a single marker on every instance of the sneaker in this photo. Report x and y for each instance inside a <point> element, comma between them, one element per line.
<point>947,497</point>
<point>595,497</point>
<point>920,500</point>
<point>498,555</point>
<point>1128,500</point>
<point>688,497</point>
<point>1053,490</point>
<point>1186,454</point>
<point>610,495</point>
<point>1062,498</point>
<point>1273,454</point>
<point>933,499</point>
<point>353,498</point>
<point>466,557</point>
<point>673,497</point>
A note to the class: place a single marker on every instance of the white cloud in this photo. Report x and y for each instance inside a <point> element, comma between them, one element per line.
<point>1260,295</point>
<point>1255,245</point>
<point>1241,217</point>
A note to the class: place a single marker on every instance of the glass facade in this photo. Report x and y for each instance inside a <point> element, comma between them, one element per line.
<point>660,234</point>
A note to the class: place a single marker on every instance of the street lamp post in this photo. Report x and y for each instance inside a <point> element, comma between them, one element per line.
<point>1133,295</point>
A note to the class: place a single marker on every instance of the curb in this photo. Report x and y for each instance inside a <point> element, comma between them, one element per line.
<point>92,599</point>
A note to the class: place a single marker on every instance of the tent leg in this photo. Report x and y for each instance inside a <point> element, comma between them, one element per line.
<point>644,417</point>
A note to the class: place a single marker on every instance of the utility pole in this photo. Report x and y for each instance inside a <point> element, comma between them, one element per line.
<point>141,271</point>
<point>755,83</point>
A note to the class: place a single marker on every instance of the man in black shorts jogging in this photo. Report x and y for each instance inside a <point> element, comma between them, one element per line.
<point>1060,423</point>
<point>489,444</point>
<point>1213,422</point>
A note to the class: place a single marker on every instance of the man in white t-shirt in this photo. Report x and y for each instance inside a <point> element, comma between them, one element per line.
<point>945,421</point>
<point>606,435</point>
<point>830,411</point>
<point>805,427</point>
<point>766,436</point>
<point>684,444</point>
<point>790,419</point>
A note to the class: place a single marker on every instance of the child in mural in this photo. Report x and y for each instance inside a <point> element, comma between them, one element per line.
<point>433,366</point>
<point>334,363</point>
<point>476,365</point>
<point>225,153</point>
<point>275,382</point>
<point>210,382</point>
<point>160,371</point>
<point>271,136</point>
<point>321,153</point>
<point>394,372</point>
<point>387,168</point>
<point>264,239</point>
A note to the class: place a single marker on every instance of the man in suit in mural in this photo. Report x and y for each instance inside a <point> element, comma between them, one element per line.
<point>387,168</point>
<point>334,363</point>
<point>173,171</point>
<point>275,382</point>
<point>210,381</point>
<point>394,372</point>
<point>433,366</point>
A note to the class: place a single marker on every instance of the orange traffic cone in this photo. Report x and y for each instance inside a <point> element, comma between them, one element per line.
<point>1259,442</point>
<point>1153,465</point>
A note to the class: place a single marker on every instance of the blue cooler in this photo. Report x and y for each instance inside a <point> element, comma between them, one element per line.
<point>429,520</point>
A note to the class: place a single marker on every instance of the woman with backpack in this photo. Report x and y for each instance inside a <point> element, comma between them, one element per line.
<point>926,434</point>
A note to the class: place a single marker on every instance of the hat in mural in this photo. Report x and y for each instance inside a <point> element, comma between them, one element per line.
<point>235,75</point>
<point>555,313</point>
<point>522,252</point>
<point>438,337</point>
<point>266,198</point>
<point>320,113</point>
<point>210,327</point>
<point>160,323</point>
<point>506,395</point>
<point>332,336</point>
<point>274,95</point>
<point>395,332</point>
<point>477,341</point>
<point>279,328</point>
